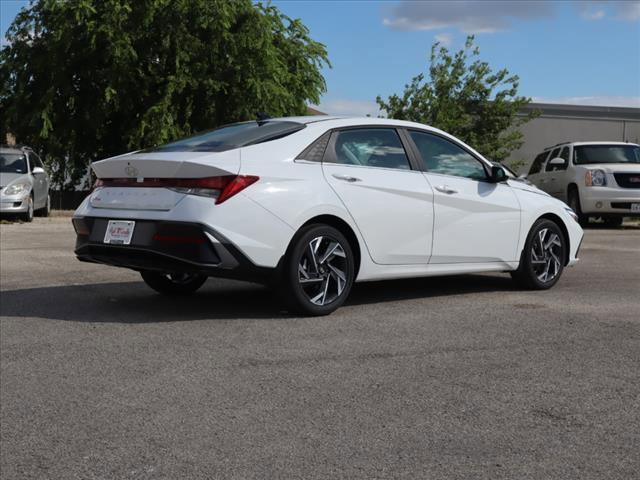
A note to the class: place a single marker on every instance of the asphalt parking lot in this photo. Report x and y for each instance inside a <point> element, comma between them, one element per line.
<point>461,377</point>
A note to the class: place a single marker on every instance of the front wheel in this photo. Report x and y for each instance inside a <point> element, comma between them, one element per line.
<point>542,259</point>
<point>46,210</point>
<point>28,215</point>
<point>173,283</point>
<point>319,271</point>
<point>574,203</point>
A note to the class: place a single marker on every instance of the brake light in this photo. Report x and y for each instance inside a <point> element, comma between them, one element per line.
<point>236,185</point>
<point>220,188</point>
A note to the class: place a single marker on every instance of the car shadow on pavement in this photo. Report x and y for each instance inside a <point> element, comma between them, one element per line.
<point>134,302</point>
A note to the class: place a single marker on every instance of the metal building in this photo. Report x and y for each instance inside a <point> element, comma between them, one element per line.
<point>574,123</point>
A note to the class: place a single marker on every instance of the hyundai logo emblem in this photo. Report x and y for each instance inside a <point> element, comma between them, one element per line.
<point>131,171</point>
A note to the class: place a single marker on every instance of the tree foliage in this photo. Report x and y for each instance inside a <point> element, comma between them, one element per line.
<point>465,98</point>
<point>82,80</point>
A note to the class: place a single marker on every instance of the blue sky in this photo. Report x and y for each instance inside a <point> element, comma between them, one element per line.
<point>581,52</point>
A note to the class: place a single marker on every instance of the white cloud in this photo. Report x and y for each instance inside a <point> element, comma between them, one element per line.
<point>489,16</point>
<point>469,16</point>
<point>590,14</point>
<point>598,100</point>
<point>359,108</point>
<point>628,10</point>
<point>445,39</point>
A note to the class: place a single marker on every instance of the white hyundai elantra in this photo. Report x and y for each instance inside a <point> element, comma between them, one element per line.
<point>311,205</point>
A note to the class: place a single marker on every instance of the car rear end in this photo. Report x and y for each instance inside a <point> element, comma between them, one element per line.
<point>180,208</point>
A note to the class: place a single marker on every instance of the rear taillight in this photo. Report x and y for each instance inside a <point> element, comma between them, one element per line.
<point>236,185</point>
<point>220,188</point>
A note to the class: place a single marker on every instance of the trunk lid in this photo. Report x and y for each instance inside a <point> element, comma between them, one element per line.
<point>157,165</point>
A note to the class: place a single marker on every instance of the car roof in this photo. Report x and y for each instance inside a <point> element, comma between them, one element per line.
<point>14,149</point>
<point>589,143</point>
<point>342,121</point>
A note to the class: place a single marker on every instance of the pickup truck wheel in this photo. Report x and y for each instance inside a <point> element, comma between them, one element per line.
<point>613,221</point>
<point>574,203</point>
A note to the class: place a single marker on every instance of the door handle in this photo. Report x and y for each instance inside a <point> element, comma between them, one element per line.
<point>446,189</point>
<point>346,178</point>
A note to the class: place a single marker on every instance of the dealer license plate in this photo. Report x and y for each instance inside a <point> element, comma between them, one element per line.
<point>635,207</point>
<point>119,232</point>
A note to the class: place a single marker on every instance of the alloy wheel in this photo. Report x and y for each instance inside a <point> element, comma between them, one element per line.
<point>180,278</point>
<point>322,270</point>
<point>546,252</point>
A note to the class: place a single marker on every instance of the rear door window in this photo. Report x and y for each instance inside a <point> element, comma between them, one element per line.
<point>369,147</point>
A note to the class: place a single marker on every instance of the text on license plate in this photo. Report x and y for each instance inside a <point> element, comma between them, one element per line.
<point>635,207</point>
<point>119,232</point>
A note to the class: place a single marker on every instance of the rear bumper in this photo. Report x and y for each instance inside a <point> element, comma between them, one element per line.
<point>168,246</point>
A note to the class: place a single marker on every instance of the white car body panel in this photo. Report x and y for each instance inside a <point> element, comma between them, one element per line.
<point>477,222</point>
<point>403,228</point>
<point>169,164</point>
<point>392,208</point>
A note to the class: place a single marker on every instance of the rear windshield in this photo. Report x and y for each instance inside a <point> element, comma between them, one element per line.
<point>231,136</point>
<point>586,154</point>
<point>13,163</point>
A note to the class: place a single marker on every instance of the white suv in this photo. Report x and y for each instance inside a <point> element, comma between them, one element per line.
<point>599,179</point>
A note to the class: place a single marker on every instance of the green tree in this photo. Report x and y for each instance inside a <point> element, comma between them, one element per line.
<point>465,98</point>
<point>82,80</point>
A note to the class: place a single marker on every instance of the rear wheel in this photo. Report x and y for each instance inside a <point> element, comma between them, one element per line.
<point>574,203</point>
<point>542,259</point>
<point>319,271</point>
<point>173,283</point>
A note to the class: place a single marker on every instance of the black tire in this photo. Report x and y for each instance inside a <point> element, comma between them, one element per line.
<point>574,203</point>
<point>28,215</point>
<point>173,283</point>
<point>46,210</point>
<point>535,258</point>
<point>320,287</point>
<point>613,221</point>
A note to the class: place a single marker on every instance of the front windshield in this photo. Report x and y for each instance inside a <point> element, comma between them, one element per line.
<point>13,163</point>
<point>589,154</point>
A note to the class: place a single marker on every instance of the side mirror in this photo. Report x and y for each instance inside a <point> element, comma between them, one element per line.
<point>35,170</point>
<point>556,162</point>
<point>498,174</point>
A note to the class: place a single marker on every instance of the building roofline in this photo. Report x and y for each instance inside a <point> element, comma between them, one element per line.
<point>583,111</point>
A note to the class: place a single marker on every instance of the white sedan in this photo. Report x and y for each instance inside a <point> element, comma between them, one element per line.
<point>310,205</point>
